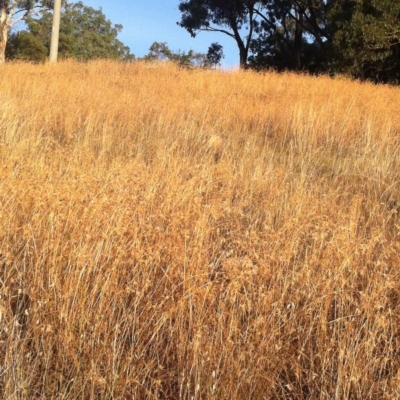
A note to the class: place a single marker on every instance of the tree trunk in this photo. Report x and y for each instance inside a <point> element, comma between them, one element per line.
<point>243,57</point>
<point>7,8</point>
<point>55,31</point>
<point>243,51</point>
<point>298,40</point>
<point>3,32</point>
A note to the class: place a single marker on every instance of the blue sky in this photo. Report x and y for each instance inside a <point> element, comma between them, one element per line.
<point>148,21</point>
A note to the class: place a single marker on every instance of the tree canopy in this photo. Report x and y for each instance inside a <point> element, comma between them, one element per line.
<point>357,37</point>
<point>367,39</point>
<point>229,17</point>
<point>161,52</point>
<point>85,34</point>
<point>12,11</point>
<point>215,54</point>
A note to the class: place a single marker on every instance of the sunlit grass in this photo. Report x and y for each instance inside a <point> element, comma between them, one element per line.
<point>175,234</point>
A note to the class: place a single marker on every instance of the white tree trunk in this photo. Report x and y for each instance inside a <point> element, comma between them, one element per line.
<point>3,34</point>
<point>56,31</point>
<point>6,14</point>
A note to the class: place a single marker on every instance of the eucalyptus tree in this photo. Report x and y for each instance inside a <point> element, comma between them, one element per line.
<point>230,17</point>
<point>13,11</point>
<point>159,51</point>
<point>357,37</point>
<point>215,54</point>
<point>85,34</point>
<point>293,34</point>
<point>367,39</point>
<point>277,32</point>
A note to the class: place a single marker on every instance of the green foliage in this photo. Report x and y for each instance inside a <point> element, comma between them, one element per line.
<point>215,54</point>
<point>367,41</point>
<point>357,37</point>
<point>26,5</point>
<point>161,52</point>
<point>293,35</point>
<point>85,34</point>
<point>225,16</point>
<point>12,11</point>
<point>201,14</point>
<point>25,46</point>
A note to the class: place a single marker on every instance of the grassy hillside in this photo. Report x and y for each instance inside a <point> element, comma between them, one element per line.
<point>172,234</point>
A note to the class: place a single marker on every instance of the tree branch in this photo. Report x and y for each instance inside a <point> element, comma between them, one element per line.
<point>272,25</point>
<point>211,29</point>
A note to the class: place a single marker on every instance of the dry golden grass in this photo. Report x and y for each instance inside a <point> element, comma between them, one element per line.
<point>172,234</point>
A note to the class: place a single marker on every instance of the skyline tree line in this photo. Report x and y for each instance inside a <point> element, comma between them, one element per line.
<point>359,38</point>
